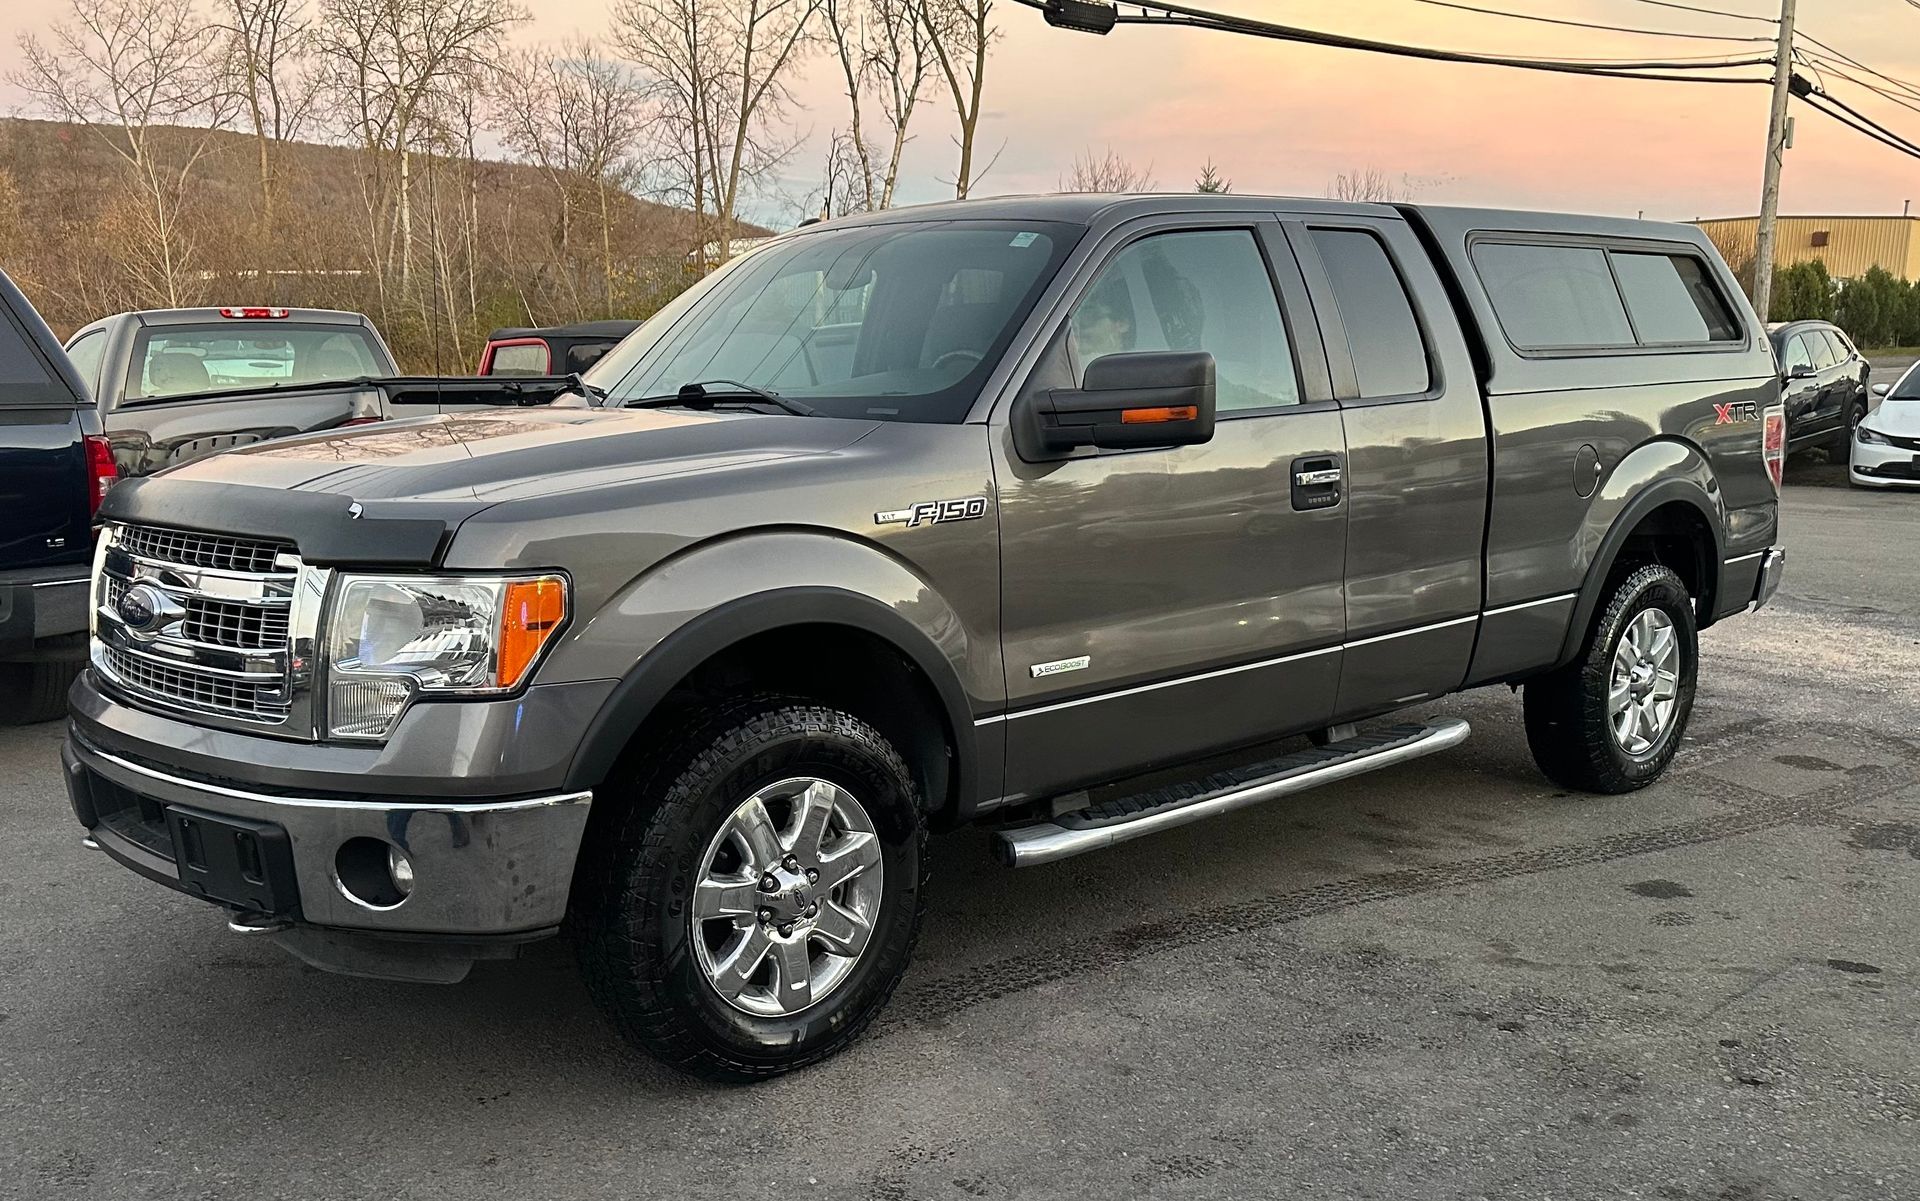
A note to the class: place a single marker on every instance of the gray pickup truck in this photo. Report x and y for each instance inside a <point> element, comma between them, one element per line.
<point>1085,517</point>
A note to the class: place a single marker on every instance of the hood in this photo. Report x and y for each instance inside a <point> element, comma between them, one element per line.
<point>491,454</point>
<point>393,492</point>
<point>1900,418</point>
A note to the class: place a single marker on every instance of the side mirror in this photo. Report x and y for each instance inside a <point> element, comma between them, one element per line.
<point>1799,371</point>
<point>1882,389</point>
<point>1125,401</point>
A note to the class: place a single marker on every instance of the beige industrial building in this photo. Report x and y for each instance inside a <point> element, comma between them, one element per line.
<point>1847,245</point>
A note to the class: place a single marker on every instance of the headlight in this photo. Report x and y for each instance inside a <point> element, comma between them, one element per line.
<point>1869,437</point>
<point>390,638</point>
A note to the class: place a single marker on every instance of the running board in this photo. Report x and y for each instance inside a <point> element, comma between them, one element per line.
<point>1121,820</point>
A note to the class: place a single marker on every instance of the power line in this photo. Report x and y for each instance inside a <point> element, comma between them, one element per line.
<point>1663,33</point>
<point>1871,129</point>
<point>1848,59</point>
<point>1865,123</point>
<point>1163,12</point>
<point>1711,12</point>
<point>1820,65</point>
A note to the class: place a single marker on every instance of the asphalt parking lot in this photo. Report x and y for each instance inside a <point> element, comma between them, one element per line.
<point>1447,980</point>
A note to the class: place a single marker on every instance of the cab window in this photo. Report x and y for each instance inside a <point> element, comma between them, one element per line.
<point>1796,354</point>
<point>1195,290</point>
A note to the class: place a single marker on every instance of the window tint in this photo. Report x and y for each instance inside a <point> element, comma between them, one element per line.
<point>1841,351</point>
<point>85,354</point>
<point>528,358</point>
<point>18,362</point>
<point>1389,356</point>
<point>1204,290</point>
<point>1672,299</point>
<point>1821,349</point>
<point>181,360</point>
<point>1796,354</point>
<point>1553,297</point>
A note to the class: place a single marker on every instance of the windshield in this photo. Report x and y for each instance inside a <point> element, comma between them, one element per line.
<point>180,360</point>
<point>898,322</point>
<point>1909,386</point>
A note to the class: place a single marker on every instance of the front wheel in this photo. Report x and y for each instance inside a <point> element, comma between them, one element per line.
<point>761,898</point>
<point>1611,720</point>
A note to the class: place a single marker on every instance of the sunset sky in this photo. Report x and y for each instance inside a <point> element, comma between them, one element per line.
<point>1284,118</point>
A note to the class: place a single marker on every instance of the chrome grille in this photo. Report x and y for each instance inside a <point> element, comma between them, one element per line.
<point>221,644</point>
<point>202,550</point>
<point>194,688</point>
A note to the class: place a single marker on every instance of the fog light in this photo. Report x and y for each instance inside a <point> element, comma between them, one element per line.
<point>401,870</point>
<point>372,873</point>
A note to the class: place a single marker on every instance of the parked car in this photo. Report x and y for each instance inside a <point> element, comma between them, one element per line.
<point>552,350</point>
<point>54,471</point>
<point>1825,384</point>
<point>694,670</point>
<point>1886,444</point>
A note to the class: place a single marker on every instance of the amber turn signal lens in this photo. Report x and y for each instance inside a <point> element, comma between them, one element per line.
<point>1149,416</point>
<point>534,609</point>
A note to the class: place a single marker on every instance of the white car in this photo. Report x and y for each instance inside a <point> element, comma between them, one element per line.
<point>1886,443</point>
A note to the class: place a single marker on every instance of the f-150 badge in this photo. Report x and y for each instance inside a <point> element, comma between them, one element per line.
<point>932,512</point>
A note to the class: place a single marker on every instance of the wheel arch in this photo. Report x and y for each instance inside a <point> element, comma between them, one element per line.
<point>1672,515</point>
<point>777,635</point>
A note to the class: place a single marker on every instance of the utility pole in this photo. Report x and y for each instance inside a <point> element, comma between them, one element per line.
<point>1776,152</point>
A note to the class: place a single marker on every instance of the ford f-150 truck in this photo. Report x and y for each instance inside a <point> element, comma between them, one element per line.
<point>1082,516</point>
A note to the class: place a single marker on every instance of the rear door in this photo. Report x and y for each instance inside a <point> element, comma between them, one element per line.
<point>1416,472</point>
<point>45,517</point>
<point>1159,604</point>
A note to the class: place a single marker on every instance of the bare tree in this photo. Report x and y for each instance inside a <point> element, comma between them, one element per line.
<point>847,30</point>
<point>387,61</point>
<point>1370,184</point>
<point>719,71</point>
<point>899,60</point>
<point>125,70</point>
<point>1107,173</point>
<point>961,33</point>
<point>269,43</point>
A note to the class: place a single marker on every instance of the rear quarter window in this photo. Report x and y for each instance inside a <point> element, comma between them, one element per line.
<point>523,358</point>
<point>24,378</point>
<point>1389,355</point>
<point>1672,299</point>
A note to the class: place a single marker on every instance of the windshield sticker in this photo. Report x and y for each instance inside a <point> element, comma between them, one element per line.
<point>1026,239</point>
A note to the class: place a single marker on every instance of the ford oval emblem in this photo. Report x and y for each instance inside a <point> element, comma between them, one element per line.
<point>144,609</point>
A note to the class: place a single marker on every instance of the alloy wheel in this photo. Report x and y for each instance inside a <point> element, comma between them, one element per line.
<point>1644,686</point>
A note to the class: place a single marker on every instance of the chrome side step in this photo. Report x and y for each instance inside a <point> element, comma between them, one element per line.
<point>1112,823</point>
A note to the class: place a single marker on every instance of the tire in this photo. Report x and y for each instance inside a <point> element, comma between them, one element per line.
<point>653,965</point>
<point>1571,716</point>
<point>36,691</point>
<point>1841,448</point>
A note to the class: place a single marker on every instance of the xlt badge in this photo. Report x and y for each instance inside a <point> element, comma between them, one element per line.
<point>932,512</point>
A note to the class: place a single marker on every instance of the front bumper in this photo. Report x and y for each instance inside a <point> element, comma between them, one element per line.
<point>1876,466</point>
<point>481,869</point>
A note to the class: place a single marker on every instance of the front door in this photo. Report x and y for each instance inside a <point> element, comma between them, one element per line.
<point>1802,395</point>
<point>1160,604</point>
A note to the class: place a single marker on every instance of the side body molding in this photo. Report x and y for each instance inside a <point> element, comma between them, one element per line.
<point>691,607</point>
<point>1654,474</point>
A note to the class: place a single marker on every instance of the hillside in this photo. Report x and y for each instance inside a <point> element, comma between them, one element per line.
<point>74,234</point>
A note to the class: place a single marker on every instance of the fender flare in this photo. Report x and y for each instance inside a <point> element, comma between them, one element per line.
<point>680,653</point>
<point>1644,502</point>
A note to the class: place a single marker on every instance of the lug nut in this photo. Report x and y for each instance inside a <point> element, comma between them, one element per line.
<point>812,875</point>
<point>768,883</point>
<point>813,909</point>
<point>786,930</point>
<point>766,915</point>
<point>791,863</point>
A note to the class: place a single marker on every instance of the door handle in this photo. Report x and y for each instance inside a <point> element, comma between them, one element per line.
<point>1316,483</point>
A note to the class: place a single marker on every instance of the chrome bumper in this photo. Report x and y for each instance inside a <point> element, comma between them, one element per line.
<point>479,869</point>
<point>1772,566</point>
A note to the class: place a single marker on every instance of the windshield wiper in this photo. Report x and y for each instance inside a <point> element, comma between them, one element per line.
<point>704,394</point>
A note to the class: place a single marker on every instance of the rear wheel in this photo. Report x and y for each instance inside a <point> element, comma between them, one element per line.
<point>761,898</point>
<point>36,691</point>
<point>1611,720</point>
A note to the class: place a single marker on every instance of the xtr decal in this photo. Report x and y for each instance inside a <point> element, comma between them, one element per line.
<point>933,512</point>
<point>1735,410</point>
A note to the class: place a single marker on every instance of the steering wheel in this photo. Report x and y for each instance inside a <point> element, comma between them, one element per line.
<point>972,357</point>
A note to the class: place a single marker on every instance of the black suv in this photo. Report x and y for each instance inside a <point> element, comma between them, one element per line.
<point>54,469</point>
<point>1824,380</point>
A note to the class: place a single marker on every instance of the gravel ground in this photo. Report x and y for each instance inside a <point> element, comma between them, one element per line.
<point>1444,981</point>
